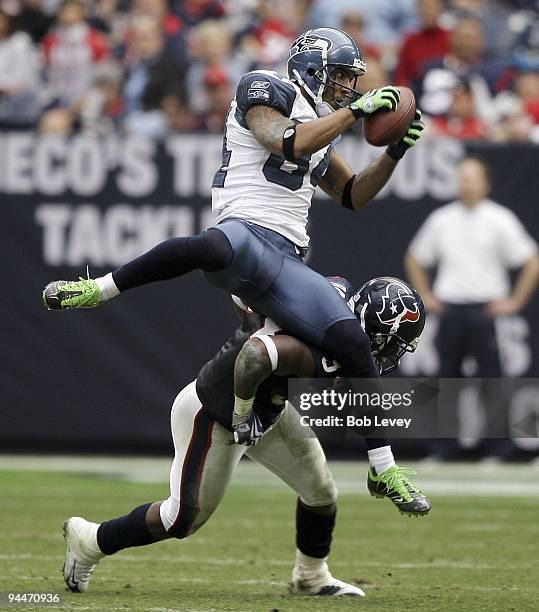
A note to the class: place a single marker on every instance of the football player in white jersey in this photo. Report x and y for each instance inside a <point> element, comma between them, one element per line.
<point>254,364</point>
<point>277,148</point>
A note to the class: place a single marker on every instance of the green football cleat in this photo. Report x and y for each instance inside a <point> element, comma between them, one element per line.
<point>61,295</point>
<point>394,484</point>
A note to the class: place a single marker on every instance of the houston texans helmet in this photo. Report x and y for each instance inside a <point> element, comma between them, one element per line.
<point>314,58</point>
<point>393,316</point>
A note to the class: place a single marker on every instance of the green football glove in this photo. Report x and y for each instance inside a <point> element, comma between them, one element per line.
<point>414,133</point>
<point>375,100</point>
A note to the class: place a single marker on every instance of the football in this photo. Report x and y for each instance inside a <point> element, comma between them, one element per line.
<point>385,127</point>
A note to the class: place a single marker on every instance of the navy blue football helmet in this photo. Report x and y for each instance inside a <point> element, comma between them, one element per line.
<point>316,55</point>
<point>393,316</point>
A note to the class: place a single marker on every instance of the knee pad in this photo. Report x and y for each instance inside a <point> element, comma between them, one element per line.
<point>323,492</point>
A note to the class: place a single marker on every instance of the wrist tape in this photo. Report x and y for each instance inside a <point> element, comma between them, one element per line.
<point>243,406</point>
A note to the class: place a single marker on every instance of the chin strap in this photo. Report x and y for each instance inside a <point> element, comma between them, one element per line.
<point>322,108</point>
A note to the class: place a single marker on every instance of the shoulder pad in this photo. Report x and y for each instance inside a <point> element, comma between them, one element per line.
<point>264,87</point>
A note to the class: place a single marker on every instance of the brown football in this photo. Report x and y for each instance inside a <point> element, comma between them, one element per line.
<point>385,127</point>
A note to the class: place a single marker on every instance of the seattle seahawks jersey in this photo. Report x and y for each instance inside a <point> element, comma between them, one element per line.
<point>215,381</point>
<point>259,186</point>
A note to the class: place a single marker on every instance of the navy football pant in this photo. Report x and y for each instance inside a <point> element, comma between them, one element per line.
<point>267,272</point>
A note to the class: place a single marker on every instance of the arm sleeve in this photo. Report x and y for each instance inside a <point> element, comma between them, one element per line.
<point>517,245</point>
<point>259,88</point>
<point>424,244</point>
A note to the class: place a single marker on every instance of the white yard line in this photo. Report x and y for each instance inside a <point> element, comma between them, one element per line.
<point>505,480</point>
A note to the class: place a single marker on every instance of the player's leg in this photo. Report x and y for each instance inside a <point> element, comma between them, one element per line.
<point>209,251</point>
<point>301,464</point>
<point>201,470</point>
<point>203,465</point>
<point>260,266</point>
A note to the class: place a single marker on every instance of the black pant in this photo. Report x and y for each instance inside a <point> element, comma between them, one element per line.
<point>465,330</point>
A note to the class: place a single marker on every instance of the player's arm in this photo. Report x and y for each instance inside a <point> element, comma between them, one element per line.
<point>281,355</point>
<point>266,103</point>
<point>269,126</point>
<point>355,191</point>
<point>257,360</point>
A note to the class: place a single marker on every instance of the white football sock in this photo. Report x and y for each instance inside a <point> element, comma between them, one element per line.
<point>107,287</point>
<point>91,541</point>
<point>310,566</point>
<point>381,458</point>
<point>86,532</point>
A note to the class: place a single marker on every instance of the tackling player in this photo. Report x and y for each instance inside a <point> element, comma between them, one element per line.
<point>277,147</point>
<point>256,363</point>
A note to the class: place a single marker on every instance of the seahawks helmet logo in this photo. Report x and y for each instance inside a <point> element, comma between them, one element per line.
<point>310,43</point>
<point>398,304</point>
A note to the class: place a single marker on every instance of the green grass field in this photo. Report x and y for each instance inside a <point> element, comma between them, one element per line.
<point>476,551</point>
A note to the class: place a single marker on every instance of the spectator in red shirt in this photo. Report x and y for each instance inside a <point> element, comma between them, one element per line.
<point>71,51</point>
<point>461,121</point>
<point>429,43</point>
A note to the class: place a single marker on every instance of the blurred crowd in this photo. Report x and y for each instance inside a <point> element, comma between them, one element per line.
<point>150,67</point>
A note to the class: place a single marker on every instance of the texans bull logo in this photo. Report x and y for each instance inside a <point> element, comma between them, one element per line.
<point>398,304</point>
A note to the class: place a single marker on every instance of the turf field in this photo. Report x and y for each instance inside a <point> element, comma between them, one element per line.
<point>478,550</point>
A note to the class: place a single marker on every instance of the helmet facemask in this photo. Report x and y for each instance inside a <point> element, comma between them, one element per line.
<point>388,349</point>
<point>327,77</point>
<point>326,81</point>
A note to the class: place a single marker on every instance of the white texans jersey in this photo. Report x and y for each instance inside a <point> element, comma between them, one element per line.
<point>259,186</point>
